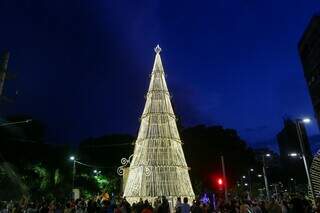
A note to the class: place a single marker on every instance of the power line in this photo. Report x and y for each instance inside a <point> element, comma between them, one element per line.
<point>93,166</point>
<point>107,145</point>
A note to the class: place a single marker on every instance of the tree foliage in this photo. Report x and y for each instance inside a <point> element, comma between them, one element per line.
<point>204,146</point>
<point>43,169</point>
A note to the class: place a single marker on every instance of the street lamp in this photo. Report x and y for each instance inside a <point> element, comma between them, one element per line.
<point>265,174</point>
<point>306,120</point>
<point>293,154</point>
<point>298,123</point>
<point>96,172</point>
<point>250,180</point>
<point>16,122</point>
<point>73,158</point>
<point>292,185</point>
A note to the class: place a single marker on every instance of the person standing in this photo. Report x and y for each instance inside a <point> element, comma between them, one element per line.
<point>185,207</point>
<point>164,206</point>
<point>178,205</point>
<point>195,208</point>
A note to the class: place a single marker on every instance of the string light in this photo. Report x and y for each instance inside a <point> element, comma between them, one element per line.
<point>158,166</point>
<point>315,174</point>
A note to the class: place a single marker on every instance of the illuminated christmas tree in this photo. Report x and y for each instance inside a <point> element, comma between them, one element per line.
<point>315,175</point>
<point>158,167</point>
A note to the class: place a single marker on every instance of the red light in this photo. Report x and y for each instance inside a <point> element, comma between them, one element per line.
<point>220,182</point>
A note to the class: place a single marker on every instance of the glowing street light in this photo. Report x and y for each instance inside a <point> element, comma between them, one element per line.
<point>245,184</point>
<point>251,170</point>
<point>72,158</point>
<point>259,175</point>
<point>293,154</point>
<point>306,120</point>
<point>268,155</point>
<point>96,172</point>
<point>244,177</point>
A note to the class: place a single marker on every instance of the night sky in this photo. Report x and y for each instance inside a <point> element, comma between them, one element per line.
<point>83,66</point>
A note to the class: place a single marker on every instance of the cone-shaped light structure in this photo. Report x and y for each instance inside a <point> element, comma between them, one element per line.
<point>315,175</point>
<point>158,166</point>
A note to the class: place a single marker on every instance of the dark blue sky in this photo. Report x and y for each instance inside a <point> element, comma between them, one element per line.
<point>83,65</point>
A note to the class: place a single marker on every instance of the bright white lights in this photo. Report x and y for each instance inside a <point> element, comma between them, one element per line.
<point>96,172</point>
<point>251,170</point>
<point>72,158</point>
<point>293,154</point>
<point>268,155</point>
<point>244,177</point>
<point>245,184</point>
<point>259,175</point>
<point>158,157</point>
<point>306,120</point>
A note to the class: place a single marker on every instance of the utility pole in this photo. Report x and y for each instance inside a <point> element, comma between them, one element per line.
<point>250,183</point>
<point>224,180</point>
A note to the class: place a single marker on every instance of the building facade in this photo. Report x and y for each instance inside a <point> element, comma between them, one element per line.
<point>309,50</point>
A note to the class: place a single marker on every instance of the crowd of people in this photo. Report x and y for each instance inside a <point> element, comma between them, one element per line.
<point>295,205</point>
<point>160,205</point>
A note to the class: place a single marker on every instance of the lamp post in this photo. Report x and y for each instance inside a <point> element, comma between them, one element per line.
<point>265,174</point>
<point>250,181</point>
<point>16,122</point>
<point>293,185</point>
<point>298,122</point>
<point>73,170</point>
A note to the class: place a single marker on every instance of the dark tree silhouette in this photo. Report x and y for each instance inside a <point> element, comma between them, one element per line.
<point>203,147</point>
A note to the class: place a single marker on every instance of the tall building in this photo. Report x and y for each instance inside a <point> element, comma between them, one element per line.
<point>158,166</point>
<point>288,141</point>
<point>309,49</point>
